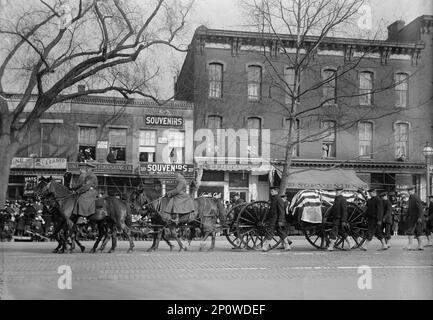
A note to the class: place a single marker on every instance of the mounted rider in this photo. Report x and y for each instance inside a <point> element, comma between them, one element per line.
<point>86,187</point>
<point>180,202</point>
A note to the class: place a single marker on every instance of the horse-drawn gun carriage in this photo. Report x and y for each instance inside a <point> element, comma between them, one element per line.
<point>309,212</point>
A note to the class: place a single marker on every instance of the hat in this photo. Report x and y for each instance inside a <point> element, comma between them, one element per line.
<point>275,188</point>
<point>372,190</point>
<point>339,188</point>
<point>385,193</point>
<point>430,197</point>
<point>236,194</point>
<point>410,188</point>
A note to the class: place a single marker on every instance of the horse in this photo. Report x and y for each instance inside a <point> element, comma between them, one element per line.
<point>118,214</point>
<point>205,215</point>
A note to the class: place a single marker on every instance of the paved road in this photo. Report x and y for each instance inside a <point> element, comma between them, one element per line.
<point>29,271</point>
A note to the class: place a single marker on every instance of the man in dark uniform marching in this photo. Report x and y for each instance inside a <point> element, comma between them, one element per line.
<point>374,220</point>
<point>429,223</point>
<point>414,220</point>
<point>338,214</point>
<point>276,221</point>
<point>86,187</point>
<point>387,217</point>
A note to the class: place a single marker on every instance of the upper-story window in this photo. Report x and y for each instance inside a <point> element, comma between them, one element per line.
<point>87,143</point>
<point>254,83</point>
<point>402,89</point>
<point>51,135</point>
<point>366,79</point>
<point>401,140</point>
<point>255,123</point>
<point>289,84</point>
<point>329,78</point>
<point>365,139</point>
<point>215,80</point>
<point>117,140</point>
<point>147,150</point>
<point>329,139</point>
<point>214,122</point>
<point>176,143</point>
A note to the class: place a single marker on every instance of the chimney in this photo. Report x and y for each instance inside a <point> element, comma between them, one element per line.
<point>393,30</point>
<point>81,88</point>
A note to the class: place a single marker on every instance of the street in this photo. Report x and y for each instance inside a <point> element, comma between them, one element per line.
<point>30,271</point>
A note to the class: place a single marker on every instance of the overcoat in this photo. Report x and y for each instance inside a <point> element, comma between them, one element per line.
<point>86,187</point>
<point>180,202</point>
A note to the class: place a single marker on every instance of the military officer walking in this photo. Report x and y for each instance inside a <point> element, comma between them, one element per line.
<point>276,221</point>
<point>414,220</point>
<point>387,217</point>
<point>374,220</point>
<point>338,214</point>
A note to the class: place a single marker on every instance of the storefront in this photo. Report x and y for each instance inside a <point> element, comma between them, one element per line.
<point>25,173</point>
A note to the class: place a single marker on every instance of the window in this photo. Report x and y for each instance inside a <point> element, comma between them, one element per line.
<point>365,139</point>
<point>329,139</point>
<point>289,84</point>
<point>214,122</point>
<point>176,142</point>
<point>366,88</point>
<point>254,149</point>
<point>117,140</point>
<point>87,142</point>
<point>295,135</point>
<point>147,146</point>
<point>238,179</point>
<point>401,140</point>
<point>329,77</point>
<point>401,89</point>
<point>50,140</point>
<point>215,80</point>
<point>254,83</point>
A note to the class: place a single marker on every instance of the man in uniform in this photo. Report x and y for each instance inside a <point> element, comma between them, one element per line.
<point>276,221</point>
<point>414,219</point>
<point>86,187</point>
<point>429,224</point>
<point>387,217</point>
<point>338,213</point>
<point>374,220</point>
<point>180,202</point>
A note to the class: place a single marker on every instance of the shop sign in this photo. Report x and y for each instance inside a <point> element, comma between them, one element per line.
<point>164,121</point>
<point>38,163</point>
<point>211,192</point>
<point>102,144</point>
<point>113,168</point>
<point>165,169</point>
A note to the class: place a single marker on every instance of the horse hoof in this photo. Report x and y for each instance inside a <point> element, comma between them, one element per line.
<point>129,250</point>
<point>55,251</point>
<point>150,249</point>
<point>210,249</point>
<point>171,248</point>
<point>83,248</point>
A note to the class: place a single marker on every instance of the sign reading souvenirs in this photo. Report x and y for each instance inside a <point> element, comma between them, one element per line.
<point>113,168</point>
<point>164,121</point>
<point>166,169</point>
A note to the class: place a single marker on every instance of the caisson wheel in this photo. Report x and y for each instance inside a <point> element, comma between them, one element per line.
<point>252,227</point>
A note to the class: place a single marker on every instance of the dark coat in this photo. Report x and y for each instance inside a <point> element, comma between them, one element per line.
<point>86,187</point>
<point>375,208</point>
<point>430,212</point>
<point>339,209</point>
<point>180,201</point>
<point>415,210</point>
<point>387,211</point>
<point>277,212</point>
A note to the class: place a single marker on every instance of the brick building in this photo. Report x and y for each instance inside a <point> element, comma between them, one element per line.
<point>147,143</point>
<point>226,74</point>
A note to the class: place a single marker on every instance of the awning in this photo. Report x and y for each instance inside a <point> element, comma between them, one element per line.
<point>323,179</point>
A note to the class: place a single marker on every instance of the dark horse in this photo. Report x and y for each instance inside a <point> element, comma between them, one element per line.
<point>205,216</point>
<point>118,213</point>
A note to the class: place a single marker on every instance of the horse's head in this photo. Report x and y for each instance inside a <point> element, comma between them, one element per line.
<point>42,188</point>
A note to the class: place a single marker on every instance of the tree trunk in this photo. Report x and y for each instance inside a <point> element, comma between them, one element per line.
<point>286,172</point>
<point>8,151</point>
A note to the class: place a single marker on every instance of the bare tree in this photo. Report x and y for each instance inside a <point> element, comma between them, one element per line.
<point>294,31</point>
<point>48,47</point>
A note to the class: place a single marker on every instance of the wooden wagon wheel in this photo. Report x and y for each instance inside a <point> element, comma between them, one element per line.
<point>357,230</point>
<point>231,218</point>
<point>251,226</point>
<point>317,234</point>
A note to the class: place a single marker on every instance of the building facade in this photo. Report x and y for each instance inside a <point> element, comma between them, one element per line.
<point>230,78</point>
<point>130,141</point>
